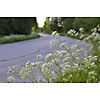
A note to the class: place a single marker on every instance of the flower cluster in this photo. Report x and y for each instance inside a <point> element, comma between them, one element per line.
<point>71,32</point>
<point>68,64</point>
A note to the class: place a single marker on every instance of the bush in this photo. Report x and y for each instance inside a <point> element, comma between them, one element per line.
<point>10,26</point>
<point>16,38</point>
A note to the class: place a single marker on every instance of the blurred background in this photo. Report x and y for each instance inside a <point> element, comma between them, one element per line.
<point>28,25</point>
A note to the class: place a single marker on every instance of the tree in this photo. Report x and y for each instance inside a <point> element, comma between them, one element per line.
<point>17,25</point>
<point>47,25</point>
<point>67,23</point>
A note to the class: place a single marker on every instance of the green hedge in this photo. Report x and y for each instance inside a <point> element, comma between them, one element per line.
<point>16,38</point>
<point>17,25</point>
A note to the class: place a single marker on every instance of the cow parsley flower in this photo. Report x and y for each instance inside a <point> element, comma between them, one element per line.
<point>53,34</point>
<point>10,79</point>
<point>39,57</point>
<point>53,43</point>
<point>92,64</point>
<point>81,30</point>
<point>47,58</point>
<point>63,45</point>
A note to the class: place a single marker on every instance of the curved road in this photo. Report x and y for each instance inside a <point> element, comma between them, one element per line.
<point>20,52</point>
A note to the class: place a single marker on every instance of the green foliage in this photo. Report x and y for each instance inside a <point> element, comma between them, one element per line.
<point>17,25</point>
<point>67,23</point>
<point>16,38</point>
<point>87,23</point>
<point>46,26</point>
<point>53,24</point>
<point>64,24</point>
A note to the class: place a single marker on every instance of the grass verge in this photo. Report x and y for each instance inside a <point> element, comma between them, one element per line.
<point>16,38</point>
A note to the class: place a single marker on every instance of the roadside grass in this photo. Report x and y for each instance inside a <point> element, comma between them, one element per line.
<point>16,38</point>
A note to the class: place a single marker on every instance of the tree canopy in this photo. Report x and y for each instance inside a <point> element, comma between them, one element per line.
<point>17,25</point>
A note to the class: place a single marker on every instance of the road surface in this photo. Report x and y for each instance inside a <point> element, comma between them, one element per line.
<point>20,52</point>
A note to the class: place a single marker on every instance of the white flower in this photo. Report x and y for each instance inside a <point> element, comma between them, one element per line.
<point>76,34</point>
<point>53,34</point>
<point>77,58</point>
<point>39,57</point>
<point>74,54</point>
<point>99,48</point>
<point>53,62</point>
<point>96,38</point>
<point>95,58</point>
<point>11,78</point>
<point>81,30</point>
<point>94,34</point>
<point>71,31</point>
<point>99,42</point>
<point>10,69</point>
<point>33,64</point>
<point>74,47</point>
<point>82,36</point>
<point>47,58</point>
<point>63,45</point>
<point>57,60</point>
<point>28,63</point>
<point>53,43</point>
<point>92,64</point>
<point>44,66</point>
<point>57,35</point>
<point>85,39</point>
<point>92,72</point>
<point>94,30</point>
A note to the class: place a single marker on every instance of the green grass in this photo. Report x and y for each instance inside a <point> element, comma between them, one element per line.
<point>16,38</point>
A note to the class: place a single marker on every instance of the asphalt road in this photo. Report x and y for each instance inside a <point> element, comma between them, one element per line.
<point>20,52</point>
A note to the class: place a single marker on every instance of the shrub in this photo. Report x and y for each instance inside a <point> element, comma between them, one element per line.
<point>17,26</point>
<point>16,38</point>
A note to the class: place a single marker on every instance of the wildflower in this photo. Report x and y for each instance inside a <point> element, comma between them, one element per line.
<point>95,58</point>
<point>85,39</point>
<point>99,42</point>
<point>92,73</point>
<point>94,30</point>
<point>99,48</point>
<point>47,58</point>
<point>53,43</point>
<point>11,78</point>
<point>53,34</point>
<point>76,34</point>
<point>33,64</point>
<point>39,57</point>
<point>53,62</point>
<point>57,60</point>
<point>71,31</point>
<point>44,66</point>
<point>82,36</point>
<point>57,35</point>
<point>74,47</point>
<point>10,69</point>
<point>81,30</point>
<point>74,54</point>
<point>92,64</point>
<point>63,45</point>
<point>77,58</point>
<point>38,64</point>
<point>28,63</point>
